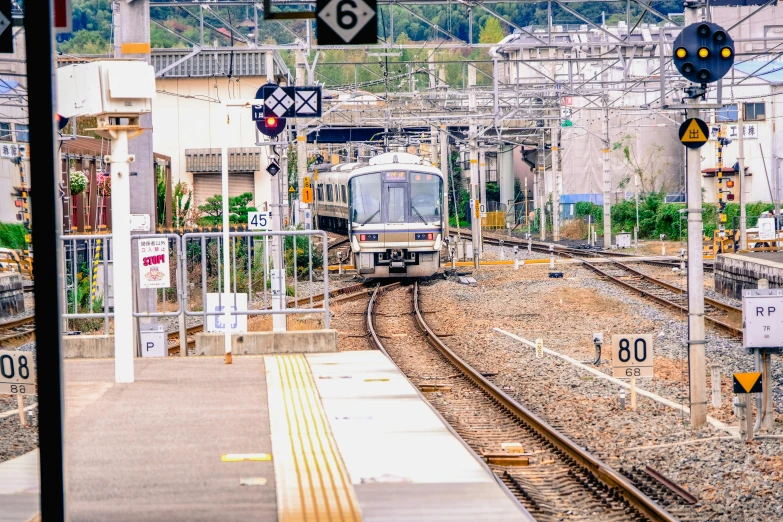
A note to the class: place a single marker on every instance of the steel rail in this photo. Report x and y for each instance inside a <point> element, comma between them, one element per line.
<point>660,300</point>
<point>641,502</point>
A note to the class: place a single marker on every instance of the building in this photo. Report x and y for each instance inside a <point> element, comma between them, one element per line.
<point>189,125</point>
<point>14,131</point>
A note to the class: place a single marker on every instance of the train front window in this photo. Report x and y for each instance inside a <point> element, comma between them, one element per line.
<point>426,197</point>
<point>365,195</point>
<point>396,203</point>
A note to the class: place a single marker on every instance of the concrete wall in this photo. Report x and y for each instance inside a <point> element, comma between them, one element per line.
<point>11,295</point>
<point>735,272</point>
<point>295,341</point>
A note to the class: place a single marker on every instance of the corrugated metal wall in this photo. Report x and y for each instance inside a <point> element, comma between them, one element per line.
<point>240,159</point>
<point>207,185</point>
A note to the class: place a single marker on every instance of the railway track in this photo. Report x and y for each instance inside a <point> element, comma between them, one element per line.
<point>17,329</point>
<point>548,473</point>
<point>721,315</point>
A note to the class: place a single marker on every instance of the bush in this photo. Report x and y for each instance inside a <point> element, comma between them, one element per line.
<point>12,236</point>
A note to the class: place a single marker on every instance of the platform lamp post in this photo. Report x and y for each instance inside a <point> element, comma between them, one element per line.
<point>116,92</point>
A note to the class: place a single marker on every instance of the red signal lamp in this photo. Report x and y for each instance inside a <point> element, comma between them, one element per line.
<point>271,121</point>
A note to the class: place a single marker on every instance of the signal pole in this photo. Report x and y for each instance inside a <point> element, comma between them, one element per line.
<point>741,181</point>
<point>607,182</point>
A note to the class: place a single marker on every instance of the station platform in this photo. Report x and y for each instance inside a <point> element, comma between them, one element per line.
<point>331,436</point>
<point>735,272</point>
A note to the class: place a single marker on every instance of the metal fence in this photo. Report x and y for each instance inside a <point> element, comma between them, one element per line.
<point>195,276</point>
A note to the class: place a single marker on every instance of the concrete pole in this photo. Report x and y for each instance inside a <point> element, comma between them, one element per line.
<point>301,132</point>
<point>482,194</point>
<point>132,41</point>
<point>607,183</point>
<point>445,167</point>
<point>227,296</point>
<point>541,176</point>
<point>506,176</point>
<point>696,337</point>
<point>434,152</point>
<point>124,352</point>
<point>741,180</point>
<point>474,160</point>
<point>555,183</point>
<point>278,274</point>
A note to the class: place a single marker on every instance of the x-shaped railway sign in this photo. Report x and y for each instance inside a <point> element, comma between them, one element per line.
<point>289,102</point>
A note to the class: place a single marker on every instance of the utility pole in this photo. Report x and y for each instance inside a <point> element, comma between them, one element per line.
<point>607,181</point>
<point>474,171</point>
<point>301,134</point>
<point>541,176</point>
<point>278,270</point>
<point>555,133</point>
<point>445,168</point>
<point>741,180</point>
<point>132,41</point>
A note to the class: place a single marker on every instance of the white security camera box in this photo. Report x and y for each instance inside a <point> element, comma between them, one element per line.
<point>109,87</point>
<point>79,90</point>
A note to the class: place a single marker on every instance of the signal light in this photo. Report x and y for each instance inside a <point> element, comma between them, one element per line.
<point>704,53</point>
<point>703,75</point>
<point>271,126</point>
<point>681,53</point>
<point>719,37</point>
<point>271,122</point>
<point>726,52</point>
<point>730,184</point>
<point>61,121</point>
<point>730,197</point>
<point>688,69</point>
<point>703,31</point>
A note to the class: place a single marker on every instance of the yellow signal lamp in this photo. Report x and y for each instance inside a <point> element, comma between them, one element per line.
<point>704,53</point>
<point>723,218</point>
<point>726,52</point>
<point>681,53</point>
<point>730,184</point>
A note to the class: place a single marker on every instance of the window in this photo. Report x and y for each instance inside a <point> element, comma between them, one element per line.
<point>728,113</point>
<point>320,191</point>
<point>426,197</point>
<point>396,203</point>
<point>365,204</point>
<point>329,193</point>
<point>342,191</point>
<point>23,133</point>
<point>754,111</point>
<point>5,132</point>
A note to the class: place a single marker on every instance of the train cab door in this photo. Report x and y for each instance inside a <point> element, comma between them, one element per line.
<point>395,199</point>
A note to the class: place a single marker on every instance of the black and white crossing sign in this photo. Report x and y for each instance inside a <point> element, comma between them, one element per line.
<point>278,101</point>
<point>346,22</point>
<point>288,102</point>
<point>308,101</point>
<point>6,27</point>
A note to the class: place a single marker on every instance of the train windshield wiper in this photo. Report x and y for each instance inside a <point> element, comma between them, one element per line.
<point>369,218</point>
<point>419,214</point>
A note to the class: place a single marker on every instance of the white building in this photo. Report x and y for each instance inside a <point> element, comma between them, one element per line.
<point>190,126</point>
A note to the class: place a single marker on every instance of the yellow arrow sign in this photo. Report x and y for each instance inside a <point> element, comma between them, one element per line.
<point>749,382</point>
<point>693,133</point>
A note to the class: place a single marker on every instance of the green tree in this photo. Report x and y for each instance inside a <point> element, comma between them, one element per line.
<point>491,32</point>
<point>237,208</point>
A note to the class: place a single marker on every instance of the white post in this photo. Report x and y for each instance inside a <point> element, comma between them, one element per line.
<point>226,242</point>
<point>741,181</point>
<point>607,185</point>
<point>696,335</point>
<point>556,184</point>
<point>716,391</point>
<point>633,393</point>
<point>278,275</point>
<point>20,405</point>
<point>121,257</point>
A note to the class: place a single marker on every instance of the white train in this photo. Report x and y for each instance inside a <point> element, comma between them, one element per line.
<point>392,210</point>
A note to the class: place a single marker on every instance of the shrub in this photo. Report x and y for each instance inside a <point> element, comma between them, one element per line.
<point>12,236</point>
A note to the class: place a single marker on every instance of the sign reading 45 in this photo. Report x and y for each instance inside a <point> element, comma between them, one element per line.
<point>632,355</point>
<point>259,220</point>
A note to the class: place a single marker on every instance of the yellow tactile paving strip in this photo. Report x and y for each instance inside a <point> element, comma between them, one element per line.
<point>312,483</point>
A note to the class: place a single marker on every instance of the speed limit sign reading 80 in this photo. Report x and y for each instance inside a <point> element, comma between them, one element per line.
<point>17,373</point>
<point>632,355</point>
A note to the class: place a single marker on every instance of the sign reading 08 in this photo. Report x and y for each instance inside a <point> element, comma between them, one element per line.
<point>632,355</point>
<point>17,374</point>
